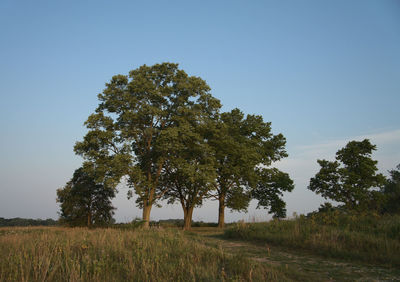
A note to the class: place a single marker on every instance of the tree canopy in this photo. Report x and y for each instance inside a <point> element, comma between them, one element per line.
<point>190,168</point>
<point>352,178</point>
<point>84,202</point>
<point>242,145</point>
<point>391,191</point>
<point>135,129</point>
<point>269,190</point>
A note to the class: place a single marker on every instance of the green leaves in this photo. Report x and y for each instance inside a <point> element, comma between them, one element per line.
<point>241,145</point>
<point>162,129</point>
<point>191,164</point>
<point>391,191</point>
<point>269,190</point>
<point>327,181</point>
<point>140,124</point>
<point>83,201</point>
<point>352,178</point>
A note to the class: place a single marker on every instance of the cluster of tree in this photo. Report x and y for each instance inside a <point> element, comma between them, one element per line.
<point>163,130</point>
<point>17,221</point>
<point>353,182</point>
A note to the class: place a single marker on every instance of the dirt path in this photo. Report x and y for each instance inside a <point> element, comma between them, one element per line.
<point>300,266</point>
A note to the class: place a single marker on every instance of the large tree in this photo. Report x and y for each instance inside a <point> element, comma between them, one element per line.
<point>84,202</point>
<point>134,129</point>
<point>242,145</point>
<point>351,179</point>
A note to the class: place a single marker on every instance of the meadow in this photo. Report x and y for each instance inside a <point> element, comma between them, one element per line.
<point>80,254</point>
<point>365,238</point>
<point>320,247</point>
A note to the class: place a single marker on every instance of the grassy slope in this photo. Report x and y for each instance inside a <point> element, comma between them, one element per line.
<point>371,240</point>
<point>297,264</point>
<point>64,254</point>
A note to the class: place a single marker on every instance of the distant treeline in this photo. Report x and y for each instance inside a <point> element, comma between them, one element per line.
<point>181,222</point>
<point>162,223</point>
<point>17,221</point>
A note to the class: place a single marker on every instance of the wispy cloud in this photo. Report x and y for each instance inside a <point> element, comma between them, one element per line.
<point>380,139</point>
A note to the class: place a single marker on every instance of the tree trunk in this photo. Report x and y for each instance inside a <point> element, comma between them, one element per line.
<point>147,205</point>
<point>146,214</point>
<point>221,211</point>
<point>187,218</point>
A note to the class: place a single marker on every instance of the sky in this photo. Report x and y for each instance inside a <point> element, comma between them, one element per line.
<point>322,72</point>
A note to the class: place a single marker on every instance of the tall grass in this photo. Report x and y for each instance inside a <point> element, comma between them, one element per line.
<point>78,254</point>
<point>368,238</point>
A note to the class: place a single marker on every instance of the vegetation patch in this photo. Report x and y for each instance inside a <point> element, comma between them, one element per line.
<point>80,254</point>
<point>353,237</point>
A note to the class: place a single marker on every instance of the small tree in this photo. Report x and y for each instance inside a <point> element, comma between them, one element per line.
<point>391,191</point>
<point>352,178</point>
<point>84,202</point>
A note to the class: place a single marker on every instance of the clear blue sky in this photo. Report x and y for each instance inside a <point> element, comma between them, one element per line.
<point>323,72</point>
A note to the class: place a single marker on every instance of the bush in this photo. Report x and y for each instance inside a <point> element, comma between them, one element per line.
<point>134,224</point>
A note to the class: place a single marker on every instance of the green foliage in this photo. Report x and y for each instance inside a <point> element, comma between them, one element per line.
<point>84,202</point>
<point>168,223</point>
<point>369,237</point>
<point>391,192</point>
<point>352,178</point>
<point>27,222</point>
<point>134,224</point>
<point>367,223</point>
<point>162,129</point>
<point>238,198</point>
<point>140,122</point>
<point>269,190</point>
<point>64,254</point>
<point>189,170</point>
<point>241,145</point>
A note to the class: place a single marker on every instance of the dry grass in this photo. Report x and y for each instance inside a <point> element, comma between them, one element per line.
<point>79,254</point>
<point>372,240</point>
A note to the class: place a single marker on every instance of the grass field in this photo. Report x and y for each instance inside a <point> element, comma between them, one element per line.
<point>78,254</point>
<point>302,249</point>
<point>298,264</point>
<point>366,238</point>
